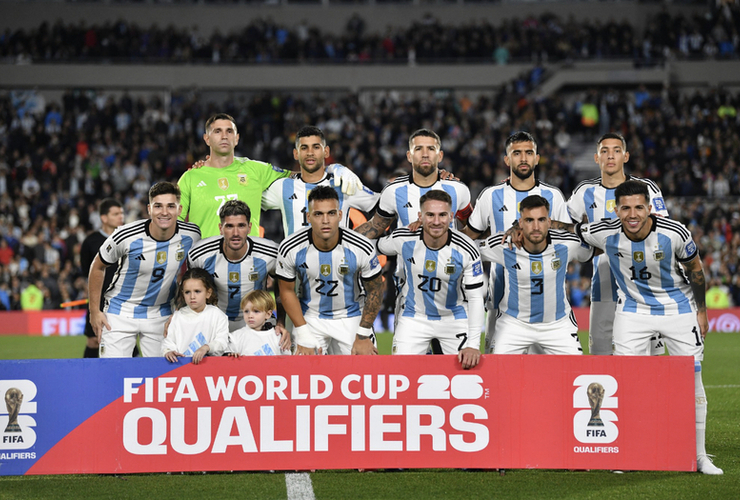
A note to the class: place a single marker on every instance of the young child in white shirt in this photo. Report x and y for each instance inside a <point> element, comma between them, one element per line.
<point>198,328</point>
<point>257,338</point>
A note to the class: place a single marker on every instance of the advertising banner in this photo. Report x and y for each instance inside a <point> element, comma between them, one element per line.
<point>53,322</point>
<point>344,412</point>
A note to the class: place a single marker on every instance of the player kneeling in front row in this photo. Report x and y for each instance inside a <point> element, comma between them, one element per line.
<point>339,282</point>
<point>535,307</point>
<point>258,337</point>
<point>661,289</point>
<point>441,280</point>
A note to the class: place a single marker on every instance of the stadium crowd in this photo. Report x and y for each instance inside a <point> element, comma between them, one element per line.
<point>58,159</point>
<point>546,37</point>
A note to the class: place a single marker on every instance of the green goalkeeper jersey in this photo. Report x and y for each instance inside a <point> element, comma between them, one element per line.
<point>204,191</point>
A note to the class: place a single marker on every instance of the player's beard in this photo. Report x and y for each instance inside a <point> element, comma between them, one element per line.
<point>523,176</point>
<point>425,170</point>
<point>310,169</point>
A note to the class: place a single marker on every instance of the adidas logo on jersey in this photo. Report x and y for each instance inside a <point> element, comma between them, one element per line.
<point>303,266</point>
<point>593,205</point>
<point>215,276</point>
<point>503,209</point>
<point>293,197</point>
<point>139,257</point>
<point>619,254</point>
<point>411,259</point>
<point>201,184</point>
<point>408,205</point>
<point>517,267</point>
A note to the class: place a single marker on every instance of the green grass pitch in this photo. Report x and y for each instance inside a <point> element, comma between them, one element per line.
<point>721,378</point>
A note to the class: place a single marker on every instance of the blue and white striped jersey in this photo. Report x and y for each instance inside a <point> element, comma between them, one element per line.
<point>534,284</point>
<point>592,202</point>
<point>432,283</point>
<point>290,196</point>
<point>146,280</point>
<point>648,272</point>
<point>329,283</point>
<point>497,206</point>
<point>401,198</point>
<point>234,280</point>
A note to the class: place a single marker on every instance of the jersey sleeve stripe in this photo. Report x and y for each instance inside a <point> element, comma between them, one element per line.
<point>134,229</point>
<point>465,244</point>
<point>293,241</point>
<point>674,226</point>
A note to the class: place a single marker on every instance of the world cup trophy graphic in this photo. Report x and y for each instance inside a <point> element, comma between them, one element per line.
<point>13,400</point>
<point>595,394</point>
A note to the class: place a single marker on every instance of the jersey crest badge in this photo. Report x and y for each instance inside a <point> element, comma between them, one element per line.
<point>430,266</point>
<point>611,205</point>
<point>243,180</point>
<point>180,254</point>
<point>343,269</point>
<point>638,256</point>
<point>161,257</point>
<point>223,183</point>
<point>325,269</point>
<point>556,263</point>
<point>234,277</point>
<point>450,268</point>
<point>659,254</point>
<point>536,267</point>
<point>254,276</point>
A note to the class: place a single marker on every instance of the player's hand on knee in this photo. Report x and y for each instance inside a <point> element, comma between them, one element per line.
<point>200,354</point>
<point>305,351</point>
<point>172,356</point>
<point>364,346</point>
<point>199,163</point>
<point>468,357</point>
<point>98,320</point>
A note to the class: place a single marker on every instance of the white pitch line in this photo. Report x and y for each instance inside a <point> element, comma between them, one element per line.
<point>299,486</point>
<point>722,386</point>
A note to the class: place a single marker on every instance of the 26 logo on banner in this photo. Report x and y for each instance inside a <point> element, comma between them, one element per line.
<point>594,423</point>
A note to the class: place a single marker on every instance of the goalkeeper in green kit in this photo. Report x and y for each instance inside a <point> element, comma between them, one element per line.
<point>225,177</point>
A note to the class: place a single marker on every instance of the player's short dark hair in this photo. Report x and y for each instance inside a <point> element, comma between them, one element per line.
<point>196,273</point>
<point>107,204</point>
<point>164,187</point>
<point>424,132</point>
<point>612,135</point>
<point>219,116</point>
<point>631,188</point>
<point>321,193</point>
<point>435,195</point>
<point>520,136</point>
<point>534,201</point>
<point>235,207</point>
<point>310,131</point>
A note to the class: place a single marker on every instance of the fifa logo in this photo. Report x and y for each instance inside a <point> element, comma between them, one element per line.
<point>593,423</point>
<point>16,423</point>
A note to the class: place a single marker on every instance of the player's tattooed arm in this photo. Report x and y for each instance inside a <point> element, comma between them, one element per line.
<point>695,273</point>
<point>556,224</point>
<point>375,227</point>
<point>373,301</point>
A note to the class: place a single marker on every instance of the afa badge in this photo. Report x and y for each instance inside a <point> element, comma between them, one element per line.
<point>325,269</point>
<point>254,276</point>
<point>430,266</point>
<point>161,257</point>
<point>243,180</point>
<point>234,277</point>
<point>638,256</point>
<point>450,268</point>
<point>343,269</point>
<point>556,263</point>
<point>536,267</point>
<point>223,183</point>
<point>180,254</point>
<point>659,254</point>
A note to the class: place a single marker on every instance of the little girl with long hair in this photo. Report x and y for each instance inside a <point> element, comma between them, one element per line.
<point>198,327</point>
